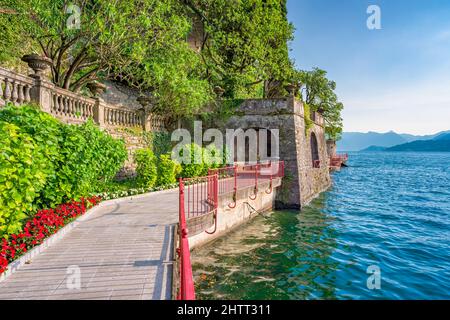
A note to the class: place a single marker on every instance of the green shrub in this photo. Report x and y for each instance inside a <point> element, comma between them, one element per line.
<point>45,132</point>
<point>106,154</point>
<point>22,176</point>
<point>158,142</point>
<point>146,168</point>
<point>212,158</point>
<point>168,170</point>
<point>89,158</point>
<point>188,161</point>
<point>44,162</point>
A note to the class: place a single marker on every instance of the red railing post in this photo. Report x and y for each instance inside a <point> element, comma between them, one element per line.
<point>256,176</point>
<point>235,180</point>
<point>187,291</point>
<point>216,192</point>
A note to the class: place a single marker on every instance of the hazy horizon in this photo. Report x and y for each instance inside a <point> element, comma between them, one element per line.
<point>384,132</point>
<point>395,78</point>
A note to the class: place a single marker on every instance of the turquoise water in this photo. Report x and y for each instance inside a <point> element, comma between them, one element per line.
<point>389,210</point>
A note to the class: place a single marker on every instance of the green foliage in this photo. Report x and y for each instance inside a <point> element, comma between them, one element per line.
<point>45,162</point>
<point>89,158</point>
<point>319,94</point>
<point>199,160</point>
<point>142,43</point>
<point>45,132</point>
<point>146,168</point>
<point>212,158</point>
<point>192,161</point>
<point>246,43</point>
<point>307,116</point>
<point>158,142</point>
<point>22,176</point>
<point>168,170</point>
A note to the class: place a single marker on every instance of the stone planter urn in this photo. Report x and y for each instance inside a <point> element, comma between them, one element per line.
<point>38,63</point>
<point>291,89</point>
<point>146,102</point>
<point>219,91</point>
<point>96,88</point>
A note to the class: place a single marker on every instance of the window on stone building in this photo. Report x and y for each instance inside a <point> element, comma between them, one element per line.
<point>315,151</point>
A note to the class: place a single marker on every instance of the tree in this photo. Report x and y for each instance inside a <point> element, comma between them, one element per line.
<point>319,93</point>
<point>245,44</point>
<point>142,43</point>
<point>138,42</point>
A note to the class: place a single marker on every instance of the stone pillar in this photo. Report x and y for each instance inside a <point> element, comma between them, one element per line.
<point>331,148</point>
<point>41,93</point>
<point>99,112</point>
<point>148,123</point>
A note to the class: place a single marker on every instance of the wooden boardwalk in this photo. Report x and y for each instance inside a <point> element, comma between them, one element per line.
<point>123,250</point>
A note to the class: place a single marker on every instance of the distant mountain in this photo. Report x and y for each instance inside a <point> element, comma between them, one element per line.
<point>435,145</point>
<point>373,149</point>
<point>442,136</point>
<point>356,141</point>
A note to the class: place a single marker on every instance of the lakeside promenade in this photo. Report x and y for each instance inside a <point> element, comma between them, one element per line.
<point>124,250</point>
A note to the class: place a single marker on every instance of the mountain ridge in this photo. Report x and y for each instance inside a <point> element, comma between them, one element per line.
<point>356,141</point>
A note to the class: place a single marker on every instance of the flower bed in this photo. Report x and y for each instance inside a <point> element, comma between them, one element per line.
<point>42,225</point>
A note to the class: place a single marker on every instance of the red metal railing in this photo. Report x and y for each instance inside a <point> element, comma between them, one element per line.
<point>200,196</point>
<point>186,290</point>
<point>234,178</point>
<point>197,196</point>
<point>338,159</point>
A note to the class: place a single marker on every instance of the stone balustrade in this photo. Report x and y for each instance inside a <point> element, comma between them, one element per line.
<point>14,87</point>
<point>70,107</point>
<point>116,116</point>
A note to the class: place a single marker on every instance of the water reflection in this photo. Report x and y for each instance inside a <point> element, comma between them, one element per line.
<point>284,255</point>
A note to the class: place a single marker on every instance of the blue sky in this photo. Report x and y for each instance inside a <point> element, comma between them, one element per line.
<point>396,78</point>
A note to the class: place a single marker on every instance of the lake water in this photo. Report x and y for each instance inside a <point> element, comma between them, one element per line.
<point>387,210</point>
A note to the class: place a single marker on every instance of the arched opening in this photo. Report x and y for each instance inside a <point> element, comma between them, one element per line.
<point>314,151</point>
<point>258,144</point>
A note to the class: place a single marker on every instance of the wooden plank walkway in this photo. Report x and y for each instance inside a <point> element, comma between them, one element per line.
<point>123,250</point>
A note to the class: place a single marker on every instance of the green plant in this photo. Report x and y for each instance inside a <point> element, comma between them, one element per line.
<point>192,161</point>
<point>22,176</point>
<point>78,157</point>
<point>89,158</point>
<point>212,158</point>
<point>307,117</point>
<point>168,170</point>
<point>146,169</point>
<point>45,132</point>
<point>158,142</point>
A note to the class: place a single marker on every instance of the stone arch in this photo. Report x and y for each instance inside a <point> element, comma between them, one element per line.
<point>264,152</point>
<point>314,151</point>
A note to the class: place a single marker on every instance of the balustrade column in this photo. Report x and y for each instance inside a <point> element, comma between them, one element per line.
<point>99,112</point>
<point>41,93</point>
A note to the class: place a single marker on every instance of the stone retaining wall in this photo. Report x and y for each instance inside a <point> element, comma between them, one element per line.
<point>231,218</point>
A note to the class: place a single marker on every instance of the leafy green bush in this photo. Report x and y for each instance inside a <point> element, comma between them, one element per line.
<point>158,142</point>
<point>45,132</point>
<point>212,158</point>
<point>167,170</point>
<point>188,161</point>
<point>22,176</point>
<point>146,168</point>
<point>44,162</point>
<point>89,157</point>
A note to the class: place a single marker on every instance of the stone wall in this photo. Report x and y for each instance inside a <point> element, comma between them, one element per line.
<point>231,218</point>
<point>121,95</point>
<point>134,140</point>
<point>303,181</point>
